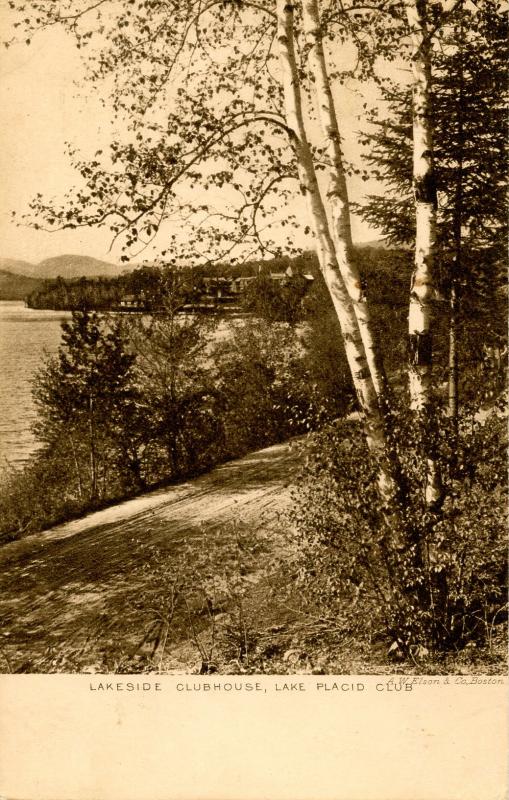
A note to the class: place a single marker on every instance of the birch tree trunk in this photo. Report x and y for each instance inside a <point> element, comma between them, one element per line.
<point>422,283</point>
<point>337,193</point>
<point>422,287</point>
<point>354,347</point>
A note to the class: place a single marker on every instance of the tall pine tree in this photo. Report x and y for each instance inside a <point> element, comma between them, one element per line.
<point>470,160</point>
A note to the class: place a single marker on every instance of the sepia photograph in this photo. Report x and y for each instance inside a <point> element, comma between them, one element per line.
<point>253,358</point>
<point>253,337</point>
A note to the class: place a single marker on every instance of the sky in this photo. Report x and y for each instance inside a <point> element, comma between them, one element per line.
<point>42,109</point>
<point>40,112</point>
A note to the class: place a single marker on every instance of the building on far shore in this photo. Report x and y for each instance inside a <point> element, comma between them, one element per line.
<point>216,293</point>
<point>132,302</point>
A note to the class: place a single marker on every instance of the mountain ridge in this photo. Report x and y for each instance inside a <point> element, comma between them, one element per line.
<point>19,278</point>
<point>68,265</point>
<point>72,265</point>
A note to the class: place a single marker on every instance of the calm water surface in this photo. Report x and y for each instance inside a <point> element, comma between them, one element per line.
<point>26,334</point>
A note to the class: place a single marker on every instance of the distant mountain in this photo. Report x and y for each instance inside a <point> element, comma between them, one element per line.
<point>68,266</point>
<point>72,266</point>
<point>15,273</point>
<point>17,287</point>
<point>17,266</point>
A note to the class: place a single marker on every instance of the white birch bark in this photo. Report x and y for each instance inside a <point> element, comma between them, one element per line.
<point>354,347</point>
<point>422,288</point>
<point>337,192</point>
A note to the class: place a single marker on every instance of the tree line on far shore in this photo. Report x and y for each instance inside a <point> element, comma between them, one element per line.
<point>144,286</point>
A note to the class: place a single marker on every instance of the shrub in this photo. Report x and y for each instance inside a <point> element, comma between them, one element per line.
<point>262,378</point>
<point>441,582</point>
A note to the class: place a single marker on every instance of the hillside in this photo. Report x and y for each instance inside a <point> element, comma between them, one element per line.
<point>20,278</point>
<point>73,266</point>
<point>15,265</point>
<point>379,244</point>
<point>66,266</point>
<point>103,593</point>
<point>17,287</point>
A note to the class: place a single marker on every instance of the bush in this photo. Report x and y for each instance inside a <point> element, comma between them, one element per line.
<point>438,584</point>
<point>262,377</point>
<point>138,402</point>
<point>39,495</point>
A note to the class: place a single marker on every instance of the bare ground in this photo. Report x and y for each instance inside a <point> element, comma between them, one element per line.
<point>62,589</point>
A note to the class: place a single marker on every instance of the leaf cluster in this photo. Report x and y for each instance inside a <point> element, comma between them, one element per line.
<point>444,584</point>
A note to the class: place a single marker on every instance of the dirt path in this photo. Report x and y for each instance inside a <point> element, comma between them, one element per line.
<point>60,586</point>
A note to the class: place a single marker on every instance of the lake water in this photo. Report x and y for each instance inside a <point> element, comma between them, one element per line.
<point>26,334</point>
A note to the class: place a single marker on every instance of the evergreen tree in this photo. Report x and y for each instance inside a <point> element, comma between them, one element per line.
<point>470,146</point>
<point>470,163</point>
<point>176,390</point>
<point>469,116</point>
<point>85,397</point>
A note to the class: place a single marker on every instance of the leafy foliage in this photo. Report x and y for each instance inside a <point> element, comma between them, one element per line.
<point>276,302</point>
<point>445,583</point>
<point>470,143</point>
<point>198,92</point>
<point>133,401</point>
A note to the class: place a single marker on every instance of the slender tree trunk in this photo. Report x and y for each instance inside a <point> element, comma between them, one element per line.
<point>456,264</point>
<point>76,466</point>
<point>453,399</point>
<point>354,348</point>
<point>422,288</point>
<point>92,450</point>
<point>337,194</point>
